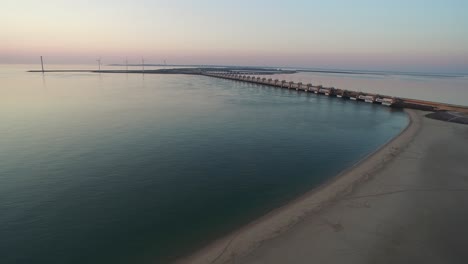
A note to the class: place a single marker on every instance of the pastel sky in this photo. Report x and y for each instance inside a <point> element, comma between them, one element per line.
<point>405,35</point>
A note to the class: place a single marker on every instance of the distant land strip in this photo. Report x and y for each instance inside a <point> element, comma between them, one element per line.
<point>317,70</point>
<point>254,71</point>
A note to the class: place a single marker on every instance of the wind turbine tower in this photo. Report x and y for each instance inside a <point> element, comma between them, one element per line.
<point>99,63</point>
<point>42,65</point>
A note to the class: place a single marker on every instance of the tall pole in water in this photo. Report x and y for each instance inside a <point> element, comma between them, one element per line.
<point>42,65</point>
<point>143,64</point>
<point>126,64</point>
<point>99,63</point>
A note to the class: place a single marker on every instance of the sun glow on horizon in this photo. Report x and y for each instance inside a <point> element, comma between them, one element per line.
<point>431,35</point>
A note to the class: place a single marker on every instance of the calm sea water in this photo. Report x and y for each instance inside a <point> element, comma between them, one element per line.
<point>109,168</point>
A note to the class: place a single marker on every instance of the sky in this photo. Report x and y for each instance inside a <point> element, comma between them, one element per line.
<point>402,35</point>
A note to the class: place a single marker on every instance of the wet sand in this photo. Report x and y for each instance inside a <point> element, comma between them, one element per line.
<point>405,203</point>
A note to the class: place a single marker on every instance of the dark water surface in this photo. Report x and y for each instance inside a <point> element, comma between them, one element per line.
<point>131,168</point>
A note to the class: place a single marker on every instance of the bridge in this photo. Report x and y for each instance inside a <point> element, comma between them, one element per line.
<point>309,87</point>
<point>340,93</point>
<point>248,75</point>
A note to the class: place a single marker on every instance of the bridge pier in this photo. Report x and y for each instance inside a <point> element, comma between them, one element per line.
<point>299,86</point>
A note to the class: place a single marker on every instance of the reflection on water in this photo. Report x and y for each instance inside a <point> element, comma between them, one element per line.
<point>117,168</point>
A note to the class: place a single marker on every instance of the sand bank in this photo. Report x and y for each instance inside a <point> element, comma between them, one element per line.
<point>395,205</point>
<point>413,210</point>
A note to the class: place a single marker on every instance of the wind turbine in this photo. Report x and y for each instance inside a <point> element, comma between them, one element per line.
<point>42,65</point>
<point>99,63</point>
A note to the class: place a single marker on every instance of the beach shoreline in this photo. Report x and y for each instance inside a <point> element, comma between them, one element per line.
<point>243,241</point>
<point>412,210</point>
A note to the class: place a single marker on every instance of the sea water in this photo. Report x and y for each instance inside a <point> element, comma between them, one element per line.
<point>132,168</point>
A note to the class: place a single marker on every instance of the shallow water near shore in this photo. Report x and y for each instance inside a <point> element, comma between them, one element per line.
<point>117,168</point>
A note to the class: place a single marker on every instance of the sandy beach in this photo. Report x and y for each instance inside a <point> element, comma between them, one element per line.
<point>405,203</point>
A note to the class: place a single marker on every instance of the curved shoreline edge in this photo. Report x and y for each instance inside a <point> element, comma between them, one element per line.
<point>244,240</point>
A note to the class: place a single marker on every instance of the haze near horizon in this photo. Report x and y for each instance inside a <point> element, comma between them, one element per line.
<point>421,36</point>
